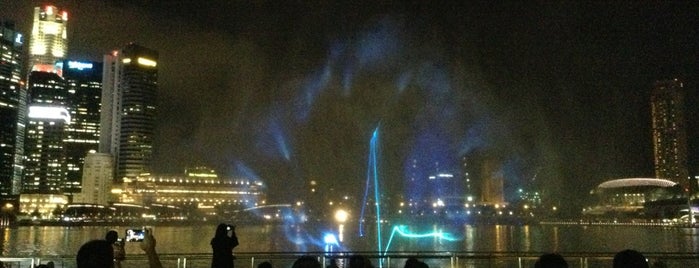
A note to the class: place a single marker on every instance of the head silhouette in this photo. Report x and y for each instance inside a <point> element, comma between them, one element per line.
<point>111,236</point>
<point>306,262</point>
<point>222,230</point>
<point>630,259</point>
<point>359,261</point>
<point>265,264</point>
<point>412,263</point>
<point>551,260</point>
<point>95,254</point>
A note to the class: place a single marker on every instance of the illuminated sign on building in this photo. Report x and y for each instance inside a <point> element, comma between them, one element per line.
<point>49,112</point>
<point>441,175</point>
<point>18,38</point>
<point>79,65</point>
<point>146,62</point>
<point>141,61</point>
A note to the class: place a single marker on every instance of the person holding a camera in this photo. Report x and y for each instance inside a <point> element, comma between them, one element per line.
<point>101,253</point>
<point>222,244</point>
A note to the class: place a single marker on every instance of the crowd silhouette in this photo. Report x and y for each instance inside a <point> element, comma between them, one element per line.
<point>109,252</point>
<point>627,258</point>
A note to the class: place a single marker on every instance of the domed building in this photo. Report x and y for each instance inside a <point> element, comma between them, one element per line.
<point>628,197</point>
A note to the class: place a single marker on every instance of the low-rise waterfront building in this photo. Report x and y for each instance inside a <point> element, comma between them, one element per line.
<point>204,191</point>
<point>41,206</point>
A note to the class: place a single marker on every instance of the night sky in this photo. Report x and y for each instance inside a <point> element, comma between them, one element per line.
<point>290,91</point>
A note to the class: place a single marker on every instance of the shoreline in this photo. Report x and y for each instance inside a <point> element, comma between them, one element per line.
<point>25,223</point>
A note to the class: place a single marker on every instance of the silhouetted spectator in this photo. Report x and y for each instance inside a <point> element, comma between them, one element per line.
<point>100,254</point>
<point>265,264</point>
<point>423,264</point>
<point>95,254</point>
<point>411,263</point>
<point>359,261</point>
<point>222,245</point>
<point>630,258</point>
<point>111,236</point>
<point>551,260</point>
<point>306,262</point>
<point>46,265</point>
<point>415,263</point>
<point>118,246</point>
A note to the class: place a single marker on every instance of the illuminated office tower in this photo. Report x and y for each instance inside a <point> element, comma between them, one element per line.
<point>10,91</point>
<point>485,184</point>
<point>669,132</point>
<point>469,192</point>
<point>492,184</point>
<point>130,84</point>
<point>49,40</point>
<point>44,149</point>
<point>83,95</point>
<point>43,157</point>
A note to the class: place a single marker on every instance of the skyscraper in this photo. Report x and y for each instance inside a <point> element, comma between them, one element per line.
<point>130,84</point>
<point>45,165</point>
<point>46,104</point>
<point>492,182</point>
<point>669,131</point>
<point>49,38</point>
<point>83,96</point>
<point>10,91</point>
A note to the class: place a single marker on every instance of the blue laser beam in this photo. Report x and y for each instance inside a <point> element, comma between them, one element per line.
<point>313,86</point>
<point>400,230</point>
<point>375,170</point>
<point>272,139</point>
<point>244,171</point>
<point>372,174</point>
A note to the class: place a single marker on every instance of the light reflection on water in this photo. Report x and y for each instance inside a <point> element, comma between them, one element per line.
<point>61,241</point>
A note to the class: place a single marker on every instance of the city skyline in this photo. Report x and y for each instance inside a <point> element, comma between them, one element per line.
<point>292,92</point>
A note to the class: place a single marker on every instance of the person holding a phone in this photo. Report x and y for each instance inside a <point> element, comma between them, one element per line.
<point>100,253</point>
<point>112,236</point>
<point>222,244</point>
<point>148,246</point>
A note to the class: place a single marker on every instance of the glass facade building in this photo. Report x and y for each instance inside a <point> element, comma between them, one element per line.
<point>669,131</point>
<point>129,97</point>
<point>11,45</point>
<point>45,155</point>
<point>83,96</point>
<point>49,38</point>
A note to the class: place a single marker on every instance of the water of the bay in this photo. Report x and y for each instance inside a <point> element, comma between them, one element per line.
<point>64,241</point>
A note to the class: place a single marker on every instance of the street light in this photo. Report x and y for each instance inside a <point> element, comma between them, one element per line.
<point>341,217</point>
<point>6,216</point>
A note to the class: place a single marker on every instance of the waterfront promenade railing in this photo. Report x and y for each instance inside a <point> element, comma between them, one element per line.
<point>387,260</point>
